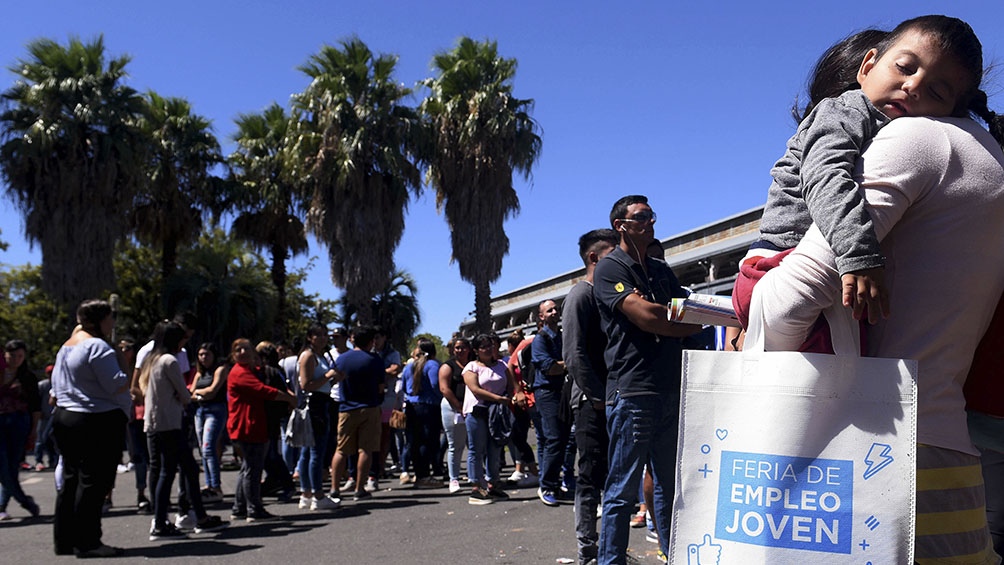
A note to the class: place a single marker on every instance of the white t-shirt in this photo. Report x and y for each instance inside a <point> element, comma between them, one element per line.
<point>182,357</point>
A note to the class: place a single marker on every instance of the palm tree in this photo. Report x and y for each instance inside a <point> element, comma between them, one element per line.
<point>226,285</point>
<point>394,308</point>
<point>357,143</point>
<point>71,155</point>
<point>179,192</point>
<point>269,198</point>
<point>479,135</point>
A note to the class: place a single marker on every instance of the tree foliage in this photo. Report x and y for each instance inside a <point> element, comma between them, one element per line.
<point>72,156</point>
<point>395,309</point>
<point>31,315</point>
<point>357,142</point>
<point>479,135</point>
<point>269,196</point>
<point>179,192</point>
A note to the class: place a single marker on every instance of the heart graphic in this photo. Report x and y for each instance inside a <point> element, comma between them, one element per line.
<point>721,434</point>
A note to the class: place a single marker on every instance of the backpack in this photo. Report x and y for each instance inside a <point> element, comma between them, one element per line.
<point>527,371</point>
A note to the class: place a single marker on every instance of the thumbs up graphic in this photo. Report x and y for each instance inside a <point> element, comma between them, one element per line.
<point>707,553</point>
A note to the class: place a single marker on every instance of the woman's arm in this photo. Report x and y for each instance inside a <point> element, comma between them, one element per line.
<point>173,373</point>
<point>445,379</point>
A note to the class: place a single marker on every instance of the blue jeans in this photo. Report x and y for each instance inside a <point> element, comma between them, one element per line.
<point>14,428</point>
<point>555,432</point>
<point>290,453</point>
<point>422,430</point>
<point>456,438</point>
<point>313,460</point>
<point>43,442</point>
<point>642,429</point>
<point>483,455</point>
<point>210,420</point>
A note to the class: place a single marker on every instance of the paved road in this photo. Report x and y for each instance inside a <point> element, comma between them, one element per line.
<point>398,525</point>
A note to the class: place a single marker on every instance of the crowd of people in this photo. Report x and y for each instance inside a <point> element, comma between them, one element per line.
<point>874,205</point>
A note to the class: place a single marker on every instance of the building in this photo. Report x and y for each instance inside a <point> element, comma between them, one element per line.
<point>705,259</point>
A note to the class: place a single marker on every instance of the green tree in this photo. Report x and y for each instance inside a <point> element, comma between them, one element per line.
<point>395,309</point>
<point>306,309</point>
<point>31,315</point>
<point>268,197</point>
<point>479,134</point>
<point>71,155</point>
<point>441,353</point>
<point>179,192</point>
<point>359,142</point>
<point>226,284</point>
<point>139,282</point>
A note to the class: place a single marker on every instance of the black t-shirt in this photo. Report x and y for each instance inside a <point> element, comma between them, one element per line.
<point>457,379</point>
<point>639,362</point>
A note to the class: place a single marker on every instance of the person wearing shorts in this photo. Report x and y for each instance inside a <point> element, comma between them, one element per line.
<point>361,374</point>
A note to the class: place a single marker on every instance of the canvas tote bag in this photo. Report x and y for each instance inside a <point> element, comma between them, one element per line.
<point>796,458</point>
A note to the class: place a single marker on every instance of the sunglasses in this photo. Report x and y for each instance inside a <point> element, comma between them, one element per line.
<point>641,217</point>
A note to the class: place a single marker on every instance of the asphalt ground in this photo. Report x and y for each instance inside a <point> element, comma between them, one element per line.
<point>399,524</point>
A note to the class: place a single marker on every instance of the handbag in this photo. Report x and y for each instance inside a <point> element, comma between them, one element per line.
<point>788,457</point>
<point>299,430</point>
<point>398,419</point>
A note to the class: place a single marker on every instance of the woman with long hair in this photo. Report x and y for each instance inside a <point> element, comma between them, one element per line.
<point>424,422</point>
<point>164,399</point>
<point>209,393</point>
<point>452,387</point>
<point>92,401</point>
<point>20,408</point>
<point>489,381</point>
<point>316,377</point>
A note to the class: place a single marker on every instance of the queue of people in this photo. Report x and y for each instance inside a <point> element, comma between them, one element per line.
<point>887,168</point>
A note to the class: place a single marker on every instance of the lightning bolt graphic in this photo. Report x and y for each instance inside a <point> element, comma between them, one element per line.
<point>877,459</point>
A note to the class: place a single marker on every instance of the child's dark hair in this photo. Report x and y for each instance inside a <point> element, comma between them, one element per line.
<point>995,122</point>
<point>836,71</point>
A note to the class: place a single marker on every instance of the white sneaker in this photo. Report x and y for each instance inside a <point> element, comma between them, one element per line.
<point>325,503</point>
<point>305,502</point>
<point>371,485</point>
<point>528,480</point>
<point>454,486</point>
<point>350,484</point>
<point>186,522</point>
<point>516,476</point>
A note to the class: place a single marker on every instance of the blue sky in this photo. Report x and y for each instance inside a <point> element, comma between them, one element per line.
<point>687,102</point>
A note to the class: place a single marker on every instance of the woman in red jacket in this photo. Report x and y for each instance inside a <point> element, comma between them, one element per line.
<point>246,425</point>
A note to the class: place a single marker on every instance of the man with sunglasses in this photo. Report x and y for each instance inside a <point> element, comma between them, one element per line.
<point>643,356</point>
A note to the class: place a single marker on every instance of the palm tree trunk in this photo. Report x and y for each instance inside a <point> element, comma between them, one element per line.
<point>168,259</point>
<point>482,307</point>
<point>279,280</point>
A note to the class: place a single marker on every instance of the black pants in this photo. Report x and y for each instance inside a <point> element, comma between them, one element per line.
<point>91,445</point>
<point>592,440</point>
<point>163,466</point>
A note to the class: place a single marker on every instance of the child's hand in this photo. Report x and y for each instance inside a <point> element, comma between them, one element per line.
<point>865,291</point>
